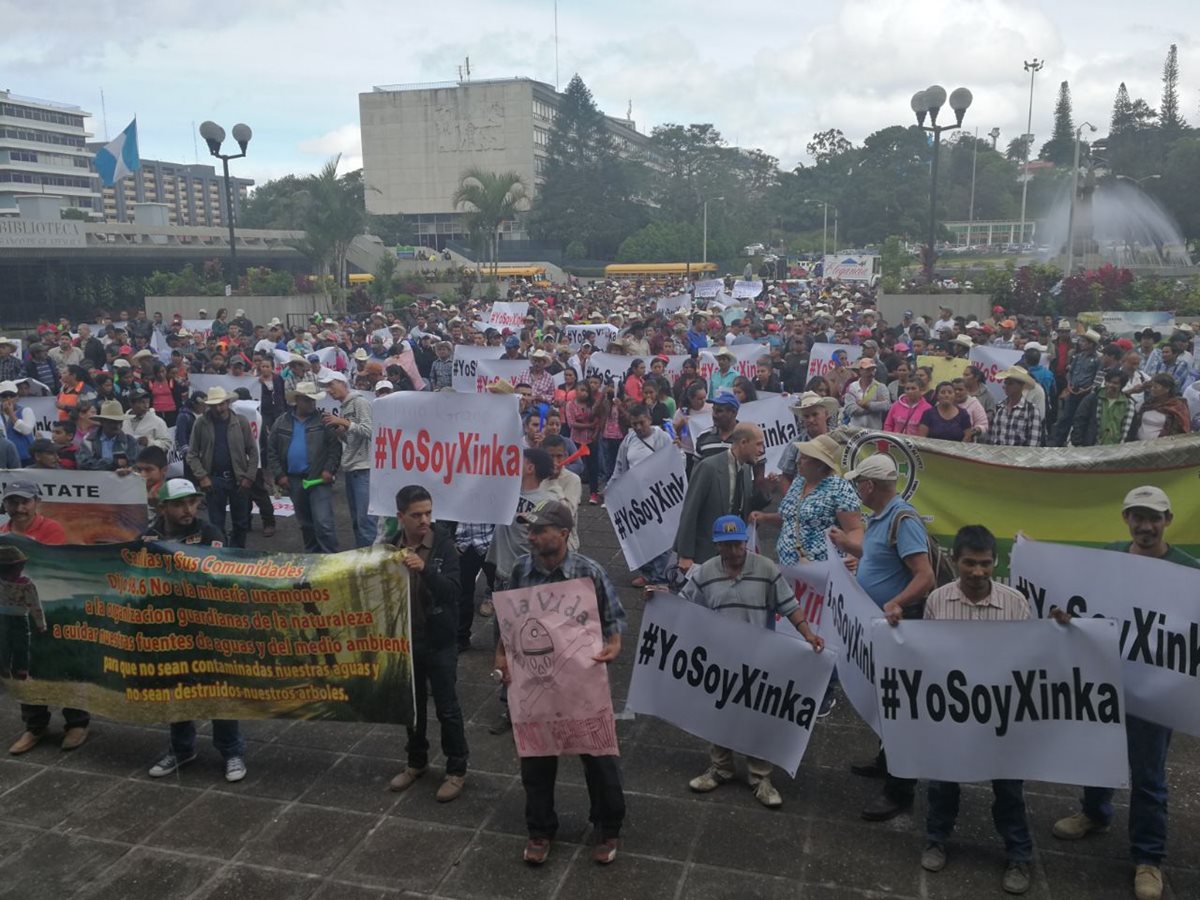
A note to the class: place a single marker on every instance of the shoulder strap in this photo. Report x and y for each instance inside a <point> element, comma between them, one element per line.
<point>894,528</point>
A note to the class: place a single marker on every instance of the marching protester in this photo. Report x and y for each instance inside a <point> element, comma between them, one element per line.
<point>428,553</point>
<point>549,561</point>
<point>222,456</point>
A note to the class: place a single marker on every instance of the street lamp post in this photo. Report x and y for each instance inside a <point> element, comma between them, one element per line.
<point>706,202</point>
<point>1032,66</point>
<point>213,135</point>
<point>825,227</point>
<point>927,103</point>
<point>1137,181</point>
<point>994,134</point>
<point>971,208</point>
<point>1074,194</point>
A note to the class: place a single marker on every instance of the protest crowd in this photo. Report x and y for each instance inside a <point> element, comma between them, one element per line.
<point>228,420</point>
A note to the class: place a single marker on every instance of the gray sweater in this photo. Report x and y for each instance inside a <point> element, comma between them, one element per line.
<point>356,449</point>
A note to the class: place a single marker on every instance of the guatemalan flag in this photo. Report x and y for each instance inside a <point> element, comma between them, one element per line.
<point>119,157</point>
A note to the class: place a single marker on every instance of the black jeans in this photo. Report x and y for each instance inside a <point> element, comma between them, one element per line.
<point>470,564</point>
<point>37,718</point>
<point>226,492</point>
<point>261,498</point>
<point>436,672</point>
<point>899,789</point>
<point>603,776</point>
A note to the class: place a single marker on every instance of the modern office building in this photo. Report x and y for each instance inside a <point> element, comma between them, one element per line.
<point>418,139</point>
<point>193,194</point>
<point>43,149</point>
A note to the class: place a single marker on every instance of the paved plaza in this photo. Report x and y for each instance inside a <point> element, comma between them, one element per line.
<point>314,818</point>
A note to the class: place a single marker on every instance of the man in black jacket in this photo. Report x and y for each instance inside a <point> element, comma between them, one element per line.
<point>304,455</point>
<point>431,558</point>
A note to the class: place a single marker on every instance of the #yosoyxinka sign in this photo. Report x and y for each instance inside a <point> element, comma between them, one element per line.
<point>162,632</point>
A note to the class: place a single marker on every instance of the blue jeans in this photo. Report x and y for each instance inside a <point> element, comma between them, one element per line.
<point>358,496</point>
<point>655,571</point>
<point>1008,815</point>
<point>610,446</point>
<point>226,735</point>
<point>1148,745</point>
<point>225,492</point>
<point>314,509</point>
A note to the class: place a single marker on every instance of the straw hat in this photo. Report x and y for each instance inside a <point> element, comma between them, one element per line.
<point>303,389</point>
<point>822,448</point>
<point>1017,373</point>
<point>111,411</point>
<point>216,395</point>
<point>809,399</point>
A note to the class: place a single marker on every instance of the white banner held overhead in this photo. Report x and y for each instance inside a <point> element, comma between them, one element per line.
<point>974,701</point>
<point>709,288</point>
<point>820,360</point>
<point>508,315</point>
<point>846,627</point>
<point>992,361</point>
<point>644,505</point>
<point>729,682</point>
<point>774,415</point>
<point>671,304</point>
<point>1154,605</point>
<point>746,357</point>
<point>596,335</point>
<point>746,290</point>
<point>463,367</point>
<point>489,371</point>
<point>613,366</point>
<point>465,449</point>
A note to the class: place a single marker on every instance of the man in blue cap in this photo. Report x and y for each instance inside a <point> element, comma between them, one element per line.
<point>725,408</point>
<point>750,588</point>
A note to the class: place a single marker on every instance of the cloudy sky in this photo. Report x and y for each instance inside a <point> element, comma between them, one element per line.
<point>768,75</point>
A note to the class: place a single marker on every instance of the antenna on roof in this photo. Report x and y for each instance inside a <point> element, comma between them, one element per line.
<point>103,115</point>
<point>468,68</point>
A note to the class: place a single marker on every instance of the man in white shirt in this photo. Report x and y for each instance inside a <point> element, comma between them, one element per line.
<point>564,484</point>
<point>145,425</point>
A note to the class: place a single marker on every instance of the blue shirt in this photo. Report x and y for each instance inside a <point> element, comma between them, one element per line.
<point>718,381</point>
<point>882,572</point>
<point>696,341</point>
<point>297,454</point>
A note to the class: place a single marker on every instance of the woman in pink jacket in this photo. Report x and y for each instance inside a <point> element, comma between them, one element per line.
<point>904,417</point>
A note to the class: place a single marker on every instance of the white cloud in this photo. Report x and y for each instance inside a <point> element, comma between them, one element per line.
<point>346,141</point>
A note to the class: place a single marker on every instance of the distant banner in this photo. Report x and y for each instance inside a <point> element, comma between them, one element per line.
<point>614,367</point>
<point>746,357</point>
<point>992,361</point>
<point>230,383</point>
<point>464,366</point>
<point>489,371</point>
<point>465,449</point>
<point>1154,604</point>
<point>508,315</point>
<point>746,290</point>
<point>92,507</point>
<point>596,335</point>
<point>823,357</point>
<point>1078,489</point>
<point>644,505</point>
<point>846,628</point>
<point>709,288</point>
<point>671,304</point>
<point>974,701</point>
<point>164,632</point>
<point>774,415</point>
<point>729,682</point>
<point>559,699</point>
<point>1125,324</point>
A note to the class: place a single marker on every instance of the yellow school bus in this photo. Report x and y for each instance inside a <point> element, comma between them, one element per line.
<point>643,270</point>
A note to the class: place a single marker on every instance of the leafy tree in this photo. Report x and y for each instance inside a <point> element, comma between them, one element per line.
<point>1169,116</point>
<point>332,213</point>
<point>490,200</point>
<point>826,146</point>
<point>74,213</point>
<point>275,204</point>
<point>1181,182</point>
<point>1016,149</point>
<point>1122,114</point>
<point>1060,149</point>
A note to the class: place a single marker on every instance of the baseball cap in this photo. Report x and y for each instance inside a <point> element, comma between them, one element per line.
<point>1145,497</point>
<point>384,385</point>
<point>879,467</point>
<point>554,513</point>
<point>728,529</point>
<point>331,375</point>
<point>511,342</point>
<point>177,489</point>
<point>26,489</point>
<point>726,398</point>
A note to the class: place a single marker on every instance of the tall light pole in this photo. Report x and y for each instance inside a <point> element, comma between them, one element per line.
<point>1136,181</point>
<point>994,134</point>
<point>927,103</point>
<point>825,227</point>
<point>706,202</point>
<point>1074,194</point>
<point>213,135</point>
<point>971,208</point>
<point>1032,66</point>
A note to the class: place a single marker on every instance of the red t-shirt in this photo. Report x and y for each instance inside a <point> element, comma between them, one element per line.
<point>43,530</point>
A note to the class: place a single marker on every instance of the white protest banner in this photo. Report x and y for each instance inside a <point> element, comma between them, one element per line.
<point>229,382</point>
<point>746,290</point>
<point>721,300</point>
<point>746,357</point>
<point>710,287</point>
<point>1154,605</point>
<point>774,415</point>
<point>489,371</point>
<point>993,360</point>
<point>729,682</point>
<point>821,358</point>
<point>596,335</point>
<point>92,507</point>
<point>507,315</point>
<point>199,329</point>
<point>973,701</point>
<point>158,343</point>
<point>283,506</point>
<point>45,411</point>
<point>465,449</point>
<point>847,630</point>
<point>37,389</point>
<point>697,424</point>
<point>462,372</point>
<point>809,580</point>
<point>251,411</point>
<point>559,699</point>
<point>670,304</point>
<point>332,358</point>
<point>644,505</point>
<point>614,366</point>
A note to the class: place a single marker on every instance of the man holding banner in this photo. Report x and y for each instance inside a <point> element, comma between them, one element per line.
<point>1147,514</point>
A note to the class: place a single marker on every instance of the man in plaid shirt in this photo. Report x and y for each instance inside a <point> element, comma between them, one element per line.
<point>1016,422</point>
<point>540,379</point>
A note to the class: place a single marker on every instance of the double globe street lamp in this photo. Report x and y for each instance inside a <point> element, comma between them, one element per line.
<point>927,104</point>
<point>214,135</point>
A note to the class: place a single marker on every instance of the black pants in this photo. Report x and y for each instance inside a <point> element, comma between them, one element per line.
<point>436,672</point>
<point>899,789</point>
<point>227,493</point>
<point>603,776</point>
<point>469,566</point>
<point>261,497</point>
<point>37,718</point>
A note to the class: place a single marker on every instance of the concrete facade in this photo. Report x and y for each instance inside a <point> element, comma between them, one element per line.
<point>194,194</point>
<point>43,150</point>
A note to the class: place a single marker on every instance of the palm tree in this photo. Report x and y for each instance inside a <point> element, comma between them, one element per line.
<point>334,214</point>
<point>490,199</point>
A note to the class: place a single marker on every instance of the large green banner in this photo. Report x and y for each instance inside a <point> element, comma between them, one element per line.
<point>161,632</point>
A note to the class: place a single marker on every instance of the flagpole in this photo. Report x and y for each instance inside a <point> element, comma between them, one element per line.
<point>104,115</point>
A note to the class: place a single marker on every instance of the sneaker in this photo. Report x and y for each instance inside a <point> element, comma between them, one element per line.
<point>765,793</point>
<point>235,769</point>
<point>1016,878</point>
<point>26,742</point>
<point>933,858</point>
<point>605,851</point>
<point>406,779</point>
<point>594,499</point>
<point>169,764</point>
<point>827,705</point>
<point>74,738</point>
<point>1147,883</point>
<point>710,780</point>
<point>502,723</point>
<point>1078,826</point>
<point>450,788</point>
<point>537,851</point>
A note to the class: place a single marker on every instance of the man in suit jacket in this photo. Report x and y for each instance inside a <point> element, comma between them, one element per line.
<point>720,485</point>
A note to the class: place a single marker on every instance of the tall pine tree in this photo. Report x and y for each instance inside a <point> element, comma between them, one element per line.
<point>1122,114</point>
<point>1169,116</point>
<point>1060,149</point>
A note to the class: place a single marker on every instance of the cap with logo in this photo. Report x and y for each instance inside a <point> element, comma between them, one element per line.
<point>1147,497</point>
<point>727,529</point>
<point>726,398</point>
<point>26,489</point>
<point>553,513</point>
<point>177,489</point>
